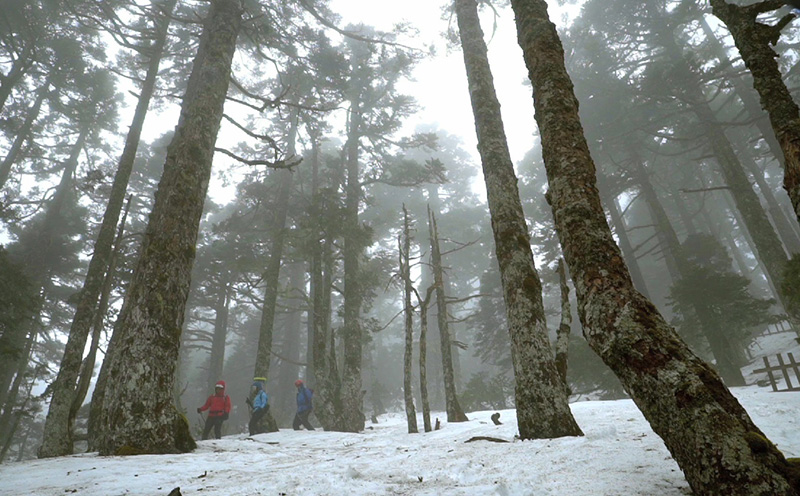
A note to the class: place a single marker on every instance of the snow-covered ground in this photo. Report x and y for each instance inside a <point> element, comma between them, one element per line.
<point>619,455</point>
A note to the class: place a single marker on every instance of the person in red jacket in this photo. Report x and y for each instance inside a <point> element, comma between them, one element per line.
<point>219,407</point>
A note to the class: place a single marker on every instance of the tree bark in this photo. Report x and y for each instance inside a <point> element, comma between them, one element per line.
<point>19,68</point>
<point>272,276</point>
<point>57,437</point>
<point>351,397</point>
<point>541,399</point>
<point>673,253</point>
<point>327,403</point>
<point>87,368</point>
<point>289,340</point>
<point>24,133</point>
<point>667,238</point>
<point>768,247</point>
<point>404,255</point>
<point>564,327</point>
<point>7,435</point>
<point>454,411</point>
<point>216,358</point>
<point>753,39</point>
<point>35,262</point>
<point>625,242</point>
<point>783,223</point>
<point>713,440</point>
<point>138,414</point>
<point>423,358</point>
<point>10,400</point>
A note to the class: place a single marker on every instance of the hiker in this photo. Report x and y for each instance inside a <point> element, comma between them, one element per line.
<point>219,407</point>
<point>304,406</point>
<point>259,405</point>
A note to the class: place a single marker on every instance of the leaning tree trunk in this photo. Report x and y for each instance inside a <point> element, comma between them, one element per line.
<point>753,39</point>
<point>626,246</point>
<point>743,90</point>
<point>454,411</point>
<point>710,435</point>
<point>7,435</point>
<point>769,248</point>
<point>404,255</point>
<point>57,437</point>
<point>541,399</point>
<point>152,316</point>
<point>24,133</point>
<point>34,261</point>
<point>19,68</point>
<point>7,407</point>
<point>87,367</point>
<point>676,261</point>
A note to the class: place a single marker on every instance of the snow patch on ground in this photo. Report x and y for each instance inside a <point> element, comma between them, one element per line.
<point>619,455</point>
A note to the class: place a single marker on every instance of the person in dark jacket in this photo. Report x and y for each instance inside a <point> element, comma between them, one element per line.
<point>219,407</point>
<point>260,405</point>
<point>304,406</point>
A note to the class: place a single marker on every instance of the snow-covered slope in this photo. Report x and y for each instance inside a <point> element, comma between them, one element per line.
<point>619,455</point>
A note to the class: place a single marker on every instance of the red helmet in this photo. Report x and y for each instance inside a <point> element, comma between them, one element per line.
<point>298,383</point>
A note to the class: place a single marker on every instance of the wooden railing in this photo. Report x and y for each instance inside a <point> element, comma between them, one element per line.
<point>784,367</point>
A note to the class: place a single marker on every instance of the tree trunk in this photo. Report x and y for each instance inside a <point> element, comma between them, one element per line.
<point>34,261</point>
<point>216,359</point>
<point>87,369</point>
<point>784,225</point>
<point>8,437</point>
<point>667,238</point>
<point>152,315</point>
<point>19,68</point>
<point>423,358</point>
<point>564,328</point>
<point>541,399</point>
<point>454,411</point>
<point>6,426</point>
<point>272,276</point>
<point>272,273</point>
<point>713,440</point>
<point>768,246</point>
<point>753,39</point>
<point>23,134</point>
<point>327,403</point>
<point>625,244</point>
<point>352,404</point>
<point>435,205</point>
<point>673,253</point>
<point>289,369</point>
<point>57,438</point>
<point>404,255</point>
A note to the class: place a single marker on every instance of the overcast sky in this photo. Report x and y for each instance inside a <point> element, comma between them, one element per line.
<point>440,86</point>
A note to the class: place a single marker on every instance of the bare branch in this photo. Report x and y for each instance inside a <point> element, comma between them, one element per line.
<point>287,163</point>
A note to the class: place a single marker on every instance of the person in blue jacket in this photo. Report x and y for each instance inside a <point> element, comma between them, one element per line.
<point>304,406</point>
<point>260,406</point>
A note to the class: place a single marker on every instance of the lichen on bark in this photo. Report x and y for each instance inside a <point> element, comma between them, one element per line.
<point>138,411</point>
<point>685,401</point>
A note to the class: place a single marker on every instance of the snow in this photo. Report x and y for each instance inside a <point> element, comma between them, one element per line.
<point>619,455</point>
